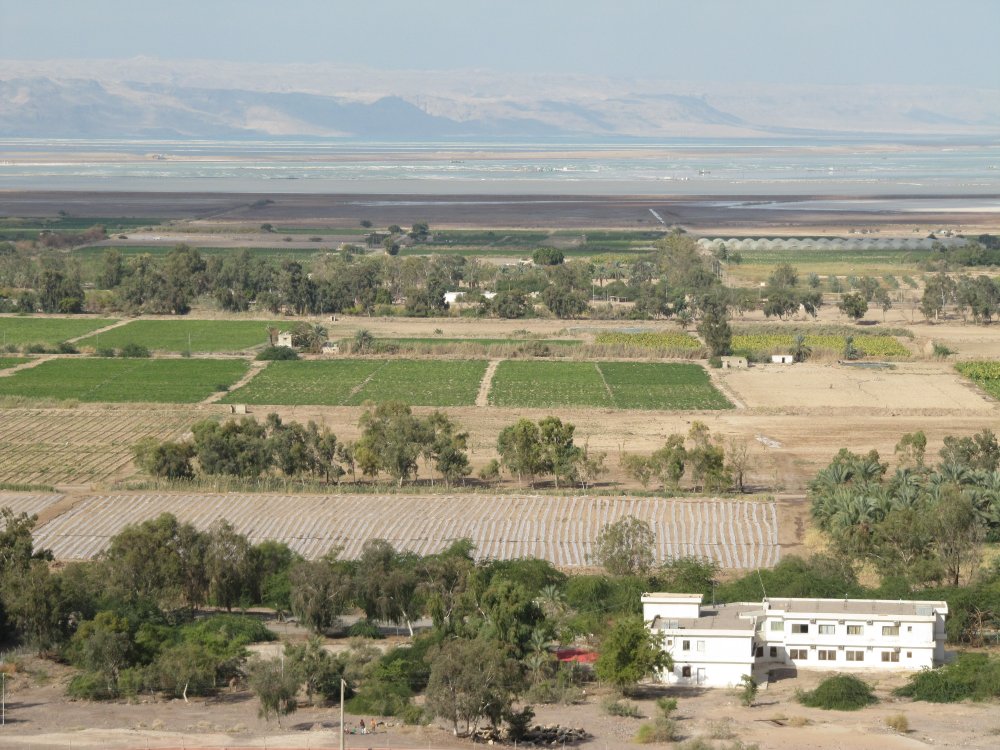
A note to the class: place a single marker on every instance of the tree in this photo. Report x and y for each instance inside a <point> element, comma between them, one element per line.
<point>560,455</point>
<point>392,440</point>
<point>509,304</point>
<point>447,448</point>
<point>668,462</point>
<point>547,256</point>
<point>167,459</point>
<point>228,565</point>
<point>911,448</point>
<point>520,449</point>
<point>314,665</point>
<point>630,653</point>
<point>310,337</point>
<point>239,448</point>
<point>275,682</point>
<point>320,591</point>
<point>958,534</point>
<point>714,328</point>
<point>471,680</point>
<point>363,340</point>
<point>186,666</point>
<point>625,547</point>
<point>563,301</point>
<point>739,459</point>
<point>800,350</point>
<point>853,305</point>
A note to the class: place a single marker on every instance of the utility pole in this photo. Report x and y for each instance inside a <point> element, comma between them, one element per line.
<point>342,684</point>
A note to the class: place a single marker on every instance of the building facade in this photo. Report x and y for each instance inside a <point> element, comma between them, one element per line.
<point>714,646</point>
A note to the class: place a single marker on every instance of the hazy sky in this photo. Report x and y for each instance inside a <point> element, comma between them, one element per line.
<point>766,41</point>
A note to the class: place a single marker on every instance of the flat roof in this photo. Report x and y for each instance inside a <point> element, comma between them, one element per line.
<point>718,617</point>
<point>877,607</point>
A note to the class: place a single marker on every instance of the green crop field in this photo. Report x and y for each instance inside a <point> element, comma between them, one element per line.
<point>6,362</point>
<point>94,252</point>
<point>757,345</point>
<point>173,381</point>
<point>20,331</point>
<point>481,342</point>
<point>185,335</point>
<point>355,381</point>
<point>984,374</point>
<point>667,341</point>
<point>622,385</point>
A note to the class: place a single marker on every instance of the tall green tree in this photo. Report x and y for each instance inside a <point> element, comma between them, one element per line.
<point>625,547</point>
<point>630,653</point>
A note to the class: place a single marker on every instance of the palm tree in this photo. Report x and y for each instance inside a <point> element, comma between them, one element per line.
<point>363,340</point>
<point>800,350</point>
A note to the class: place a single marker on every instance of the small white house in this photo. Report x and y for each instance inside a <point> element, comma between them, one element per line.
<point>783,359</point>
<point>285,338</point>
<point>714,646</point>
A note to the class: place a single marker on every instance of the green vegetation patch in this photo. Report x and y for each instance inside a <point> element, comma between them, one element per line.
<point>623,385</point>
<point>6,362</point>
<point>812,256</point>
<point>20,331</point>
<point>972,676</point>
<point>305,382</point>
<point>157,251</point>
<point>185,335</point>
<point>355,381</point>
<point>424,383</point>
<point>668,386</point>
<point>549,384</point>
<point>762,341</point>
<point>174,381</point>
<point>481,342</point>
<point>665,341</point>
<point>984,374</point>
<point>841,692</point>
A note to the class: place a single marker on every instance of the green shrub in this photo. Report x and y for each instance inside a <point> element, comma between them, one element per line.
<point>941,351</point>
<point>659,731</point>
<point>35,349</point>
<point>276,353</point>
<point>617,707</point>
<point>715,362</point>
<point>971,676</point>
<point>364,629</point>
<point>134,351</point>
<point>64,347</point>
<point>841,692</point>
<point>413,715</point>
<point>105,351</point>
<point>91,686</point>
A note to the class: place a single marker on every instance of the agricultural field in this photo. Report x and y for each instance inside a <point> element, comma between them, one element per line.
<point>622,385</point>
<point>431,340</point>
<point>6,362</point>
<point>81,445</point>
<point>196,336</point>
<point>355,381</point>
<point>94,252</point>
<point>175,381</point>
<point>762,345</point>
<point>21,331</point>
<point>666,342</point>
<point>984,374</point>
<point>739,534</point>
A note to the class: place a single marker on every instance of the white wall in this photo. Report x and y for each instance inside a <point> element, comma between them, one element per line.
<point>723,658</point>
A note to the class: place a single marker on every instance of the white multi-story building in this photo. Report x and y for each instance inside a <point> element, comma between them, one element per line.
<point>714,646</point>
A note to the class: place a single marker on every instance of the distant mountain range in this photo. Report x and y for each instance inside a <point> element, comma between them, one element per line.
<point>145,98</point>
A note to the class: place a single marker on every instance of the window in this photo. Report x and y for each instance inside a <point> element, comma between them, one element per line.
<point>890,630</point>
<point>685,671</point>
<point>890,656</point>
<point>827,655</point>
<point>800,627</point>
<point>777,625</point>
<point>855,656</point>
<point>773,652</point>
<point>699,645</point>
<point>855,629</point>
<point>759,651</point>
<point>909,628</point>
<point>909,654</point>
<point>826,629</point>
<point>685,645</point>
<point>670,641</point>
<point>799,653</point>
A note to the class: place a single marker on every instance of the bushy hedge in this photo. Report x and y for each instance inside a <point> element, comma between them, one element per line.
<point>277,353</point>
<point>841,692</point>
<point>972,676</point>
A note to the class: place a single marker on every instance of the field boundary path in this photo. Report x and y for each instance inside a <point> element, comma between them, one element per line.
<point>607,388</point>
<point>255,369</point>
<point>360,386</point>
<point>25,365</point>
<point>483,397</point>
<point>99,331</point>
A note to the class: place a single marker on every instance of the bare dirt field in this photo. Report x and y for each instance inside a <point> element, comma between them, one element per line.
<point>39,717</point>
<point>907,387</point>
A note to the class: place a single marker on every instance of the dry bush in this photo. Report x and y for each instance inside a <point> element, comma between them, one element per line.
<point>898,723</point>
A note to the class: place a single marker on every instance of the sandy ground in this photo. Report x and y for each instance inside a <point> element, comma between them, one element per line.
<point>41,718</point>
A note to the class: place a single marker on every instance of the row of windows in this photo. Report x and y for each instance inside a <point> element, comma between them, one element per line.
<point>802,654</point>
<point>802,627</point>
